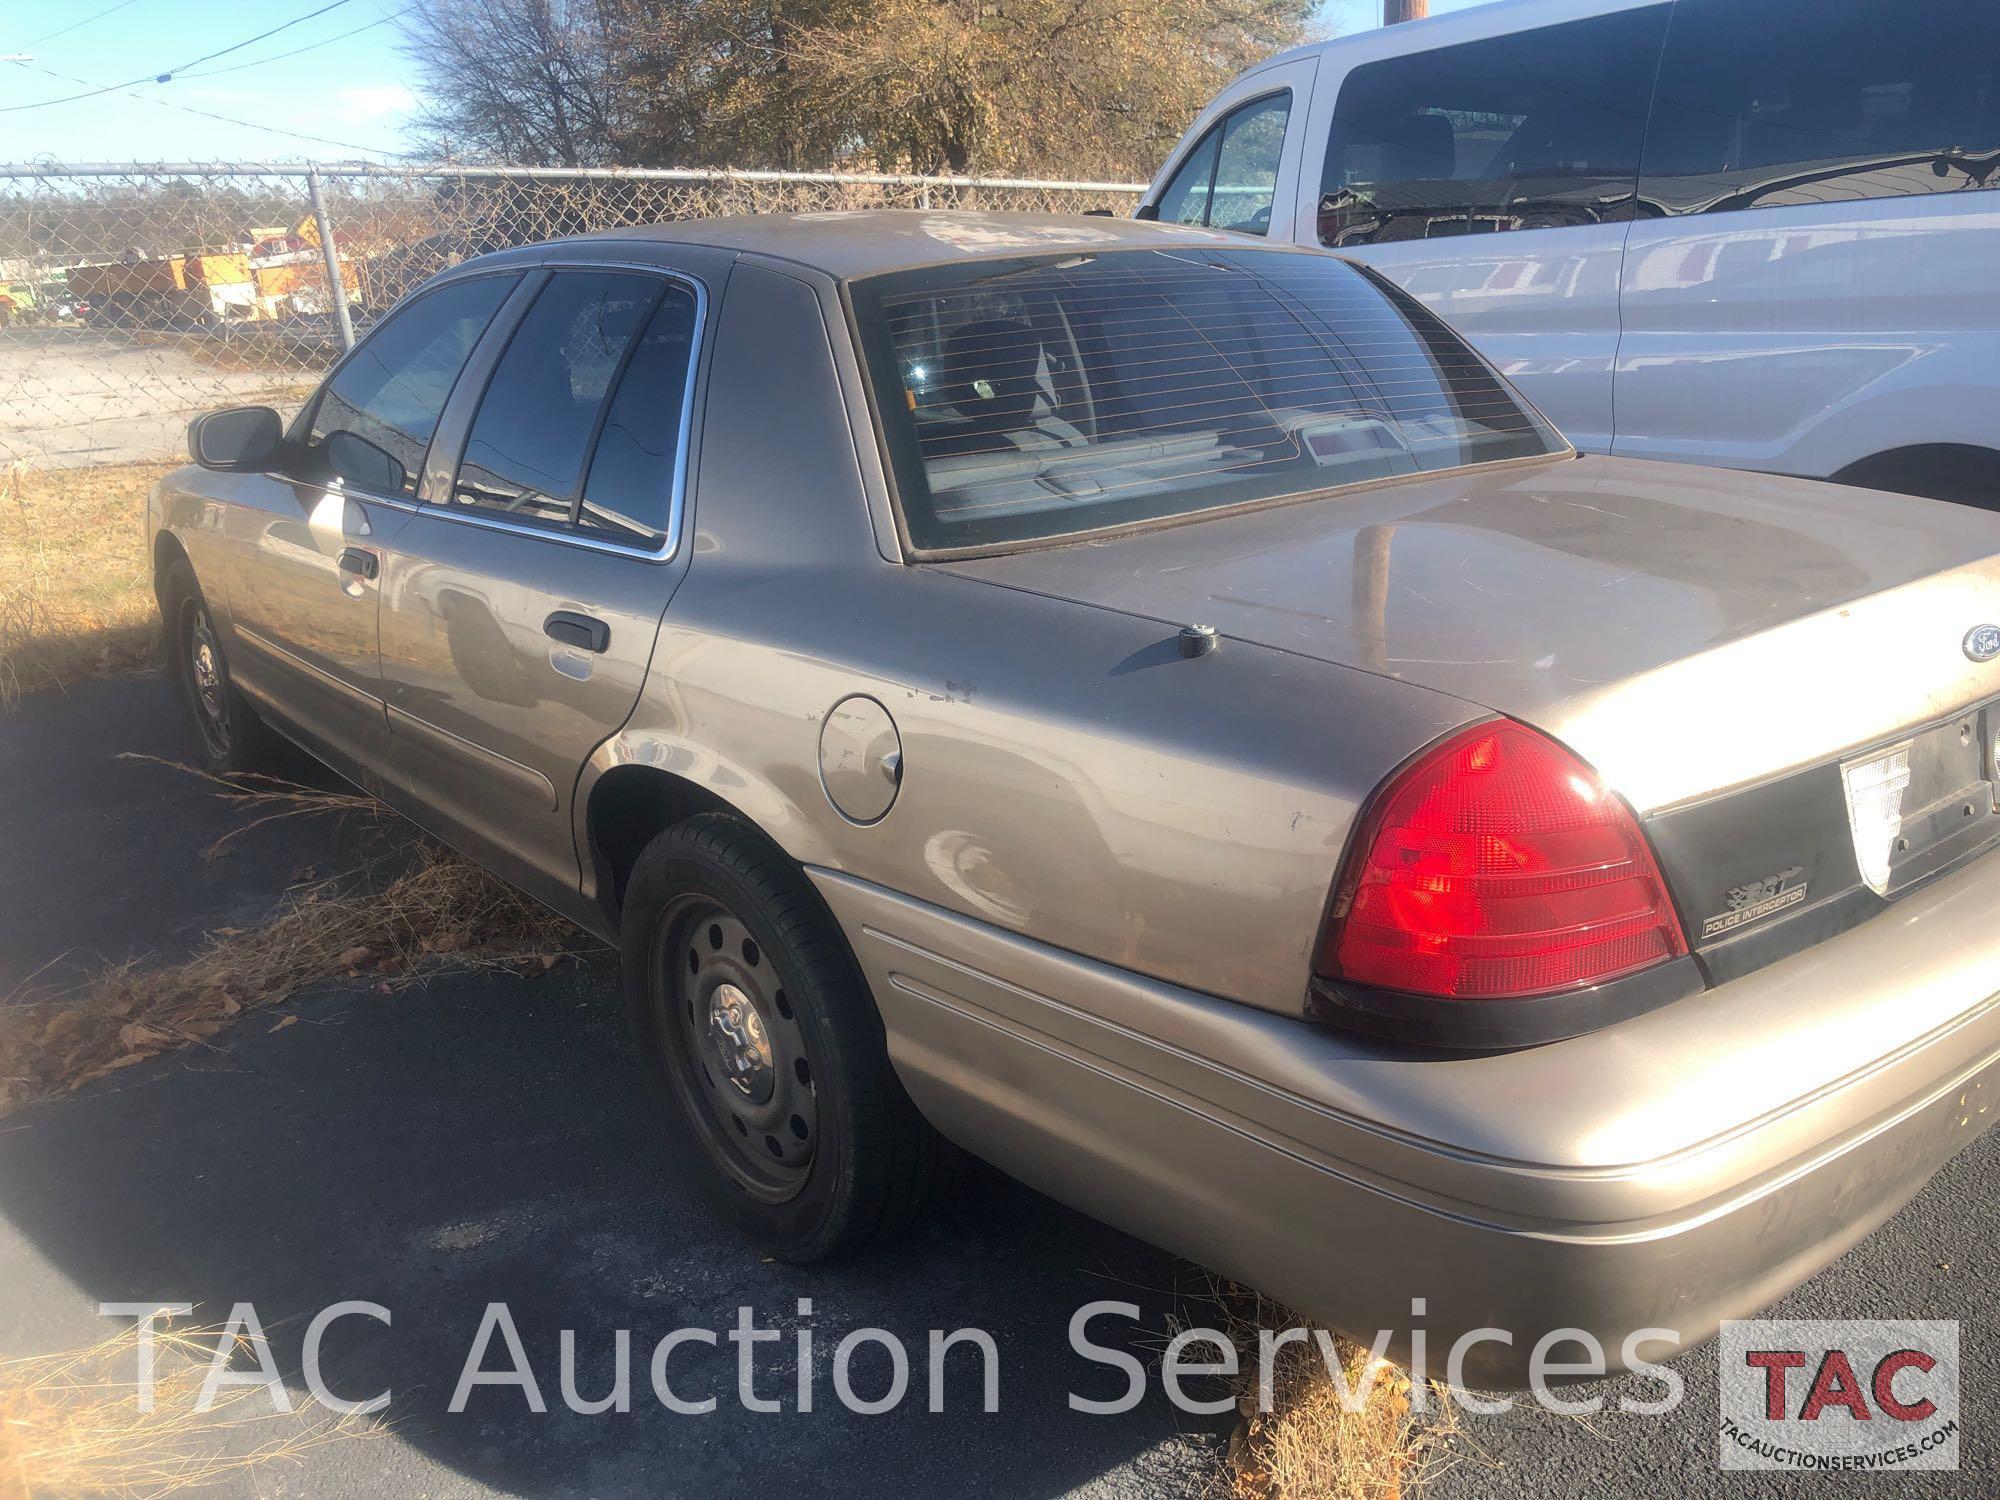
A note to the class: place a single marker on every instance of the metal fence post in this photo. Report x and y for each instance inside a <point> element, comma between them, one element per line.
<point>336,288</point>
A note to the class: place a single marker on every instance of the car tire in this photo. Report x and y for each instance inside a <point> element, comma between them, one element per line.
<point>753,1021</point>
<point>229,736</point>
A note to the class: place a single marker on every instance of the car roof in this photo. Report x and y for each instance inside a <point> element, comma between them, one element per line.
<point>853,243</point>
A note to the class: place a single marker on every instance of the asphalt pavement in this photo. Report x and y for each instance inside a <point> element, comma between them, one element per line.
<point>486,1139</point>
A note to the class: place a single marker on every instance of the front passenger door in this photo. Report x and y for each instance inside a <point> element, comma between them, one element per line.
<point>304,544</point>
<point>520,604</point>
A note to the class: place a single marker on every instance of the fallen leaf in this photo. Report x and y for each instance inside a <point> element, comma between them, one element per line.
<point>356,956</point>
<point>288,1021</point>
<point>63,1023</point>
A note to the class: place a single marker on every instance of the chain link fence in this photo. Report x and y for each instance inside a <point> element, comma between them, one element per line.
<point>133,297</point>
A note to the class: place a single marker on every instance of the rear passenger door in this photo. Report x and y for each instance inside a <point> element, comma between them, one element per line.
<point>521,602</point>
<point>1495,180</point>
<point>1816,282</point>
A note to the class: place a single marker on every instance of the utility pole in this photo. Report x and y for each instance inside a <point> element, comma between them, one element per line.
<point>1394,11</point>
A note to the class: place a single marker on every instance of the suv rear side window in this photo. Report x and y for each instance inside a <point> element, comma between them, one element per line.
<point>1230,177</point>
<point>1783,103</point>
<point>391,391</point>
<point>1025,401</point>
<point>525,453</point>
<point>1534,130</point>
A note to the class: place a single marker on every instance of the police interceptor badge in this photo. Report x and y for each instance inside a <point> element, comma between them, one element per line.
<point>1756,900</point>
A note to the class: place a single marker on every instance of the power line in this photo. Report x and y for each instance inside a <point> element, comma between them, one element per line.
<point>167,76</point>
<point>252,41</point>
<point>189,109</point>
<point>75,25</point>
<point>258,62</point>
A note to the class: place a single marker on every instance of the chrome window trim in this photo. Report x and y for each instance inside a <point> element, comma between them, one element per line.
<point>677,498</point>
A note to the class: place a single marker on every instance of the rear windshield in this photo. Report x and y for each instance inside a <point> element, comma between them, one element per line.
<point>1029,400</point>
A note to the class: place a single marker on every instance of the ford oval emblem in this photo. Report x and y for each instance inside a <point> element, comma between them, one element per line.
<point>1982,642</point>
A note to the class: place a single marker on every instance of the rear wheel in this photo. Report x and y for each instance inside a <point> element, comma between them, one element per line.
<point>231,736</point>
<point>755,1024</point>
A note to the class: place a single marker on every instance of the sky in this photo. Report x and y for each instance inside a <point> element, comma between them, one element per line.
<point>348,96</point>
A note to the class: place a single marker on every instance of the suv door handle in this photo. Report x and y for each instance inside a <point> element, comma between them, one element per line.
<point>360,562</point>
<point>581,631</point>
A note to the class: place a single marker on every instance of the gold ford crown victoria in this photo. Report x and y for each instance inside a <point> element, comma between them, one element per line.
<point>1165,716</point>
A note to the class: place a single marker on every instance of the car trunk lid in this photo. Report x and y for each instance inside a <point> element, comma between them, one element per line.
<point>1684,630</point>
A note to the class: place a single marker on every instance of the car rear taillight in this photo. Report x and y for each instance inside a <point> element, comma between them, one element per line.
<point>1497,866</point>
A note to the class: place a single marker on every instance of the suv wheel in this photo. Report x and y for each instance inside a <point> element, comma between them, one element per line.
<point>754,1022</point>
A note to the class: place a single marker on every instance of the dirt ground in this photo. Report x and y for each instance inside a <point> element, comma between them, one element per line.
<point>80,396</point>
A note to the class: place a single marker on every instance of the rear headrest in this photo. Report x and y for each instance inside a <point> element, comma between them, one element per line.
<point>990,371</point>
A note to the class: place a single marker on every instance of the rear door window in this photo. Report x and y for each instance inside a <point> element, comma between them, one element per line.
<point>524,456</point>
<point>1532,130</point>
<point>374,418</point>
<point>635,472</point>
<point>1784,103</point>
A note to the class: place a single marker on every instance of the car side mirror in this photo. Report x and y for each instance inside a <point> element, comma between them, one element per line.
<point>1147,211</point>
<point>242,438</point>
<point>353,458</point>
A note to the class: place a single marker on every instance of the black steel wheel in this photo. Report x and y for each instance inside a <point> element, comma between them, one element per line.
<point>231,736</point>
<point>755,1025</point>
<point>739,1064</point>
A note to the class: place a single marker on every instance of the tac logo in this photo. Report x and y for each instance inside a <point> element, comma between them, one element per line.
<point>1856,1395</point>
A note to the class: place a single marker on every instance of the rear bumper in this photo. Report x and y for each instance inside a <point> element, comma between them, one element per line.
<point>1683,1167</point>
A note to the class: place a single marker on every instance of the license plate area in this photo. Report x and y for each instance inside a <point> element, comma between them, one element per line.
<point>1926,803</point>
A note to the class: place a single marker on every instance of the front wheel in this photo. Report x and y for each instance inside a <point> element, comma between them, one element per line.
<point>232,738</point>
<point>755,1024</point>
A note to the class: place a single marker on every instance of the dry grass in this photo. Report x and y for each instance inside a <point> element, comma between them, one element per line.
<point>1310,1445</point>
<point>72,1424</point>
<point>76,597</point>
<point>438,911</point>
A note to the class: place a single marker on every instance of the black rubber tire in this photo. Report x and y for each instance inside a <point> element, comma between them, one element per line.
<point>876,1160</point>
<point>235,741</point>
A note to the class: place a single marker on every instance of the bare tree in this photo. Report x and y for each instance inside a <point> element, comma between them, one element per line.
<point>1046,86</point>
<point>533,82</point>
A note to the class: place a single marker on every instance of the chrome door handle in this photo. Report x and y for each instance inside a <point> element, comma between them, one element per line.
<point>360,562</point>
<point>583,632</point>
